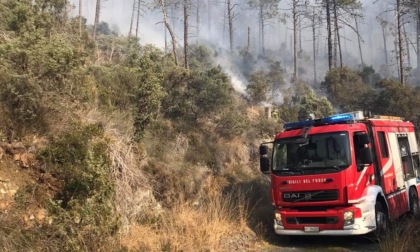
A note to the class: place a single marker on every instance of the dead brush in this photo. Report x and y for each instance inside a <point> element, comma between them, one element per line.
<point>133,199</point>
<point>205,225</point>
<point>209,226</point>
<point>401,237</point>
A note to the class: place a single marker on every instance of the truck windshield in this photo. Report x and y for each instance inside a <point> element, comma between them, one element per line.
<point>319,153</point>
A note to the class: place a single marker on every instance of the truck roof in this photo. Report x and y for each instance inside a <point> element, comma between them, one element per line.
<point>350,117</point>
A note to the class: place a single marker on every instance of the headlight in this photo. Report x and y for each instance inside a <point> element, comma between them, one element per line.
<point>348,218</point>
<point>277,217</point>
<point>348,215</point>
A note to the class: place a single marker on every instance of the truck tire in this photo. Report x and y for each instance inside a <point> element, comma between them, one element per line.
<point>414,203</point>
<point>381,218</point>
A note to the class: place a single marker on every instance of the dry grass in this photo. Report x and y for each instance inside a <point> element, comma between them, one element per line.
<point>212,225</point>
<point>403,236</point>
<point>134,199</point>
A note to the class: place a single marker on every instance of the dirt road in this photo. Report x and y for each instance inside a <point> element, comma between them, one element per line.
<point>328,243</point>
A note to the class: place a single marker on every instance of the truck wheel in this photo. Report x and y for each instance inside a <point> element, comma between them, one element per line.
<point>414,203</point>
<point>382,222</point>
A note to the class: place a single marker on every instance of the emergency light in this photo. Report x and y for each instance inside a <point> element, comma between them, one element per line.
<point>338,118</point>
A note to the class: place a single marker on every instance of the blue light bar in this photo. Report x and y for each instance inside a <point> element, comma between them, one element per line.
<point>337,119</point>
<point>298,125</point>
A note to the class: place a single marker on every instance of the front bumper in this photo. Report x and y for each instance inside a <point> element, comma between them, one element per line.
<point>364,222</point>
<point>354,229</point>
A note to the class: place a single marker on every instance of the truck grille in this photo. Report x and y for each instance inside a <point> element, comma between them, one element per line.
<point>312,220</point>
<point>311,196</point>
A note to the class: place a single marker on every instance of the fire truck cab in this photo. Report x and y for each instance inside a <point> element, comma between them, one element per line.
<point>347,174</point>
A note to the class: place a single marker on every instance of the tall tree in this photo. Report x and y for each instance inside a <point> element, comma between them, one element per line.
<point>315,20</point>
<point>186,14</point>
<point>413,9</point>
<point>337,31</point>
<point>169,28</point>
<point>198,20</point>
<point>359,41</point>
<point>138,17</point>
<point>80,18</point>
<point>267,9</point>
<point>231,17</point>
<point>384,25</point>
<point>295,35</point>
<point>96,22</point>
<point>329,34</point>
<point>400,42</point>
<point>343,12</point>
<point>133,11</point>
<point>407,45</point>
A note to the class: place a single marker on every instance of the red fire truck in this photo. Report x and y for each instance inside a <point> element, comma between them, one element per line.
<point>347,174</point>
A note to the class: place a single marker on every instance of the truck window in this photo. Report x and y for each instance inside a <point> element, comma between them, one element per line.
<point>383,145</point>
<point>416,164</point>
<point>406,157</point>
<point>321,153</point>
<point>357,147</point>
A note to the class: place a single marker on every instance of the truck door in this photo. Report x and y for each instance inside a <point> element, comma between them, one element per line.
<point>400,153</point>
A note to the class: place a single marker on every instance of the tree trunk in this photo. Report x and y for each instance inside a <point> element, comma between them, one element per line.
<point>132,19</point>
<point>171,32</point>
<point>330,55</point>
<point>300,35</point>
<point>80,18</point>
<point>295,41</point>
<point>396,56</point>
<point>249,39</point>
<point>384,25</point>
<point>230,20</point>
<point>166,39</point>
<point>262,28</point>
<point>314,41</point>
<point>96,22</point>
<point>358,39</point>
<point>198,21</point>
<point>400,42</point>
<point>224,25</point>
<point>335,48</point>
<point>418,38</point>
<point>407,45</point>
<point>186,65</point>
<point>138,17</point>
<point>337,29</point>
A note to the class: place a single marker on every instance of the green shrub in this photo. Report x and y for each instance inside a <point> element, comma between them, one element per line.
<point>198,95</point>
<point>22,101</point>
<point>83,209</point>
<point>341,84</point>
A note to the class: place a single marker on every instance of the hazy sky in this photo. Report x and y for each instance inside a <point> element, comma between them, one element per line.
<point>278,35</point>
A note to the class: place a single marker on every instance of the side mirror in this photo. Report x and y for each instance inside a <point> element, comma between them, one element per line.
<point>265,165</point>
<point>263,150</point>
<point>363,138</point>
<point>366,157</point>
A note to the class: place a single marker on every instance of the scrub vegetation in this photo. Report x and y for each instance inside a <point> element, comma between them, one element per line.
<point>108,145</point>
